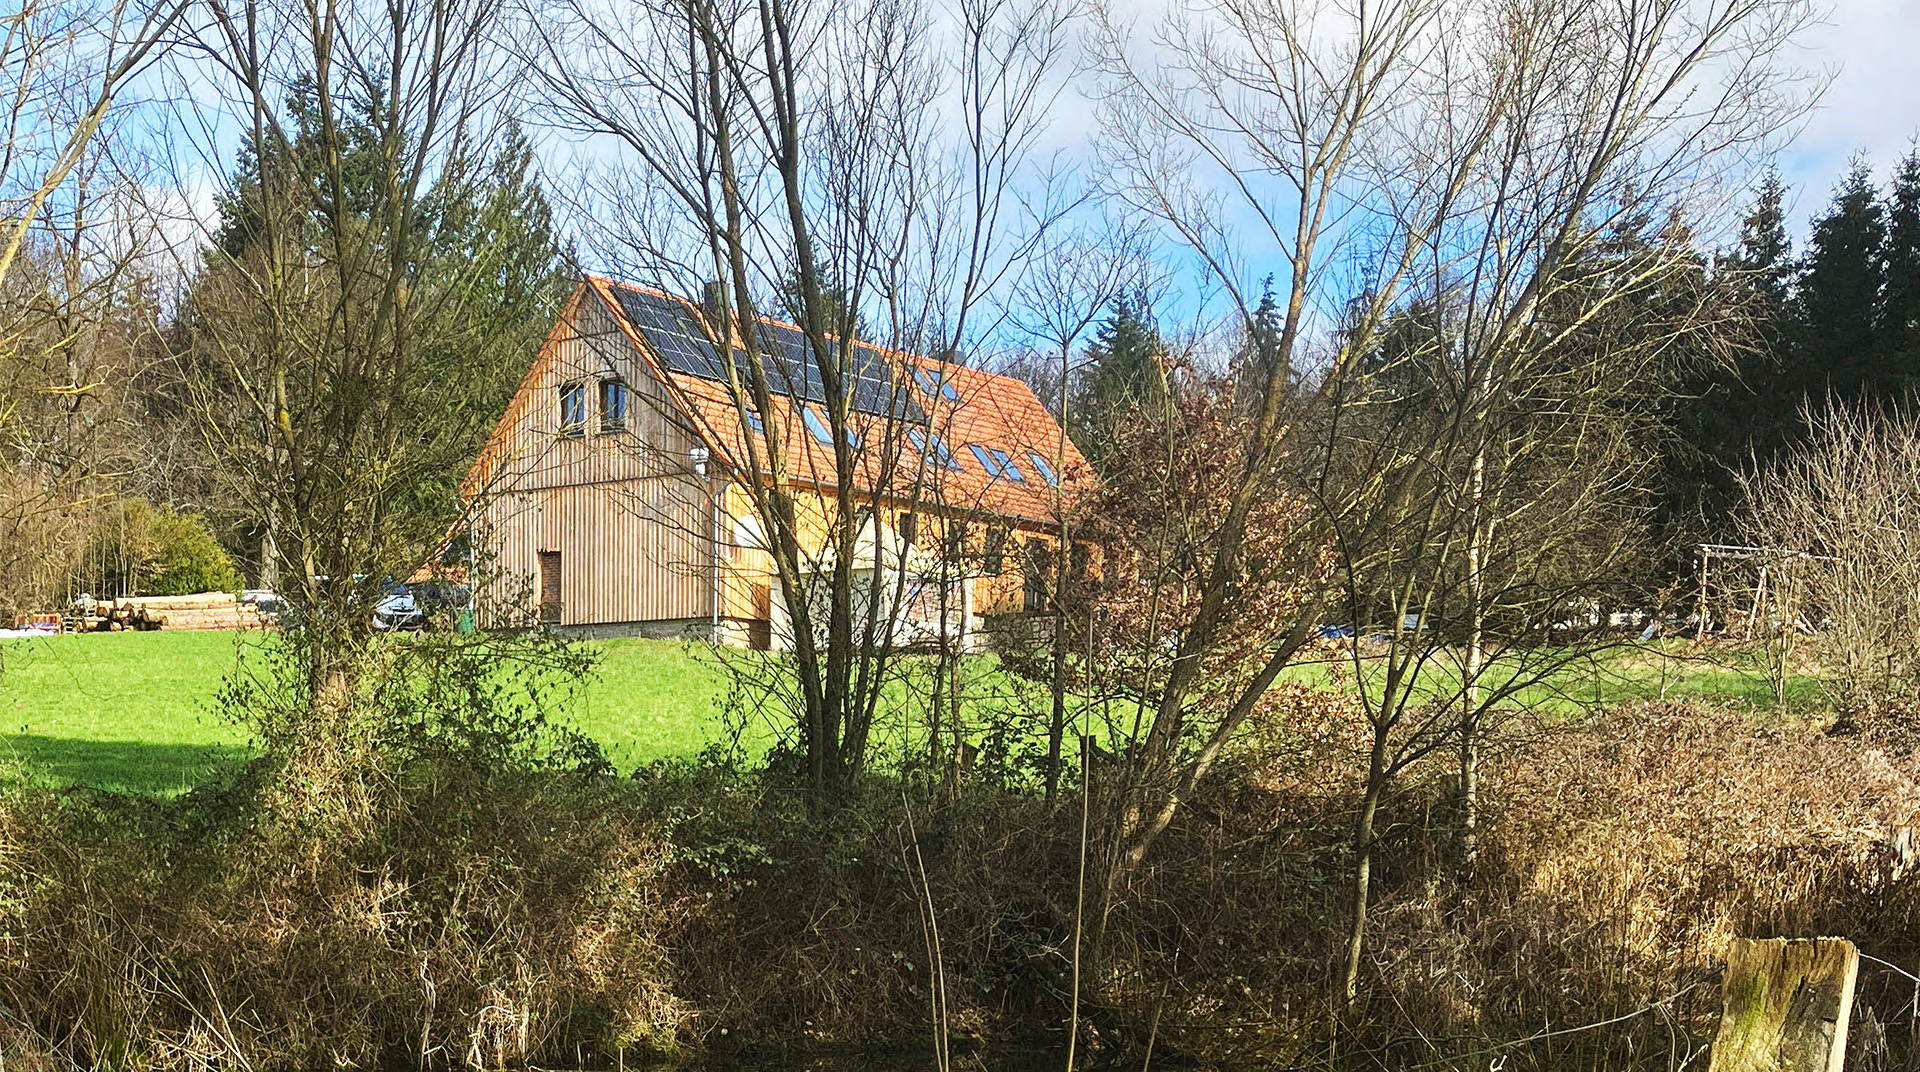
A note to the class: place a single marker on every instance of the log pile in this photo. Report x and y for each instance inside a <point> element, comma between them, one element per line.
<point>202,610</point>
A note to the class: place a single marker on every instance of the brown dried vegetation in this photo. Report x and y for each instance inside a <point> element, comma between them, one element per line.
<point>495,915</point>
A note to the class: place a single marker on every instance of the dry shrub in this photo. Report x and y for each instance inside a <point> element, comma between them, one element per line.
<point>1622,855</point>
<point>1629,850</point>
<point>486,921</point>
<point>807,929</point>
<point>1839,512</point>
<point>509,913</point>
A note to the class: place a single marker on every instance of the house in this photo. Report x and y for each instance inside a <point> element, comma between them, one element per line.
<point>614,493</point>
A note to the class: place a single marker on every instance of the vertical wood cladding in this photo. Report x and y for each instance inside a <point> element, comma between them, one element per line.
<point>628,515</point>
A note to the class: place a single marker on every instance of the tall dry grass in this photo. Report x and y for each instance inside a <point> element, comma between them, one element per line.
<point>500,914</point>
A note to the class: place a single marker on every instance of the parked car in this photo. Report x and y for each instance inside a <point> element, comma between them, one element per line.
<point>419,604</point>
<point>436,597</point>
<point>397,608</point>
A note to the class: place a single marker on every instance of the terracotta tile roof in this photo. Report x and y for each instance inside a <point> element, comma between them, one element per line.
<point>964,407</point>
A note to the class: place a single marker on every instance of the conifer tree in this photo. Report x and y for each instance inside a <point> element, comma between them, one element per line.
<point>1731,413</point>
<point>1260,344</point>
<point>1123,371</point>
<point>1899,326</point>
<point>1764,257</point>
<point>1837,304</point>
<point>285,176</point>
<point>839,310</point>
<point>483,281</point>
<point>494,230</point>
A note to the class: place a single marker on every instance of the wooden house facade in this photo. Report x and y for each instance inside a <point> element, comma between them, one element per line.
<point>612,497</point>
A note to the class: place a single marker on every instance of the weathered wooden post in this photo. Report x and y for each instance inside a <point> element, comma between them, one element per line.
<point>1786,1004</point>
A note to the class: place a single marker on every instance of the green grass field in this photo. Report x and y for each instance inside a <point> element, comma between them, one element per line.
<point>136,711</point>
<point>1666,669</point>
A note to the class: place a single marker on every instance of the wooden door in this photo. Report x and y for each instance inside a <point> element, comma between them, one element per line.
<point>550,587</point>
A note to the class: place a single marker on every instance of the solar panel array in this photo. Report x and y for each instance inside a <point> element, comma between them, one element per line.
<point>670,327</point>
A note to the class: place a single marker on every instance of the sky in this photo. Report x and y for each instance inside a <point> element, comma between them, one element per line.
<point>1872,106</point>
<point>1865,49</point>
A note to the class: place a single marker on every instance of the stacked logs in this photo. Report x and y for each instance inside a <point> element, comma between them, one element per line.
<point>202,610</point>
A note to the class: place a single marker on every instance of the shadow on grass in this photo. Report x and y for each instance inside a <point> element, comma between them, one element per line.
<point>119,766</point>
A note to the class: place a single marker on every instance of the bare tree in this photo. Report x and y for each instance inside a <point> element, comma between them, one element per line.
<point>345,348</point>
<point>83,314</point>
<point>64,68</point>
<point>1835,516</point>
<point>816,159</point>
<point>1471,154</point>
<point>69,239</point>
<point>1305,98</point>
<point>1078,273</point>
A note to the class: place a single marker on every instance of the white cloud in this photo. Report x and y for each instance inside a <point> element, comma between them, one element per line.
<point>1873,103</point>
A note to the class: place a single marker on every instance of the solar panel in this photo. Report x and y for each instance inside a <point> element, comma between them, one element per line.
<point>670,328</point>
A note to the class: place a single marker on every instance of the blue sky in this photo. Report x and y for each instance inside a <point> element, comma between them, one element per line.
<point>1868,50</point>
<point>1871,50</point>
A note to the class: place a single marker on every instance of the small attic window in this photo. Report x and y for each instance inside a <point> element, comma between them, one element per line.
<point>1040,465</point>
<point>573,409</point>
<point>935,384</point>
<point>997,463</point>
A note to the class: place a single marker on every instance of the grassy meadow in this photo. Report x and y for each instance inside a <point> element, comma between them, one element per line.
<point>138,711</point>
<point>1668,669</point>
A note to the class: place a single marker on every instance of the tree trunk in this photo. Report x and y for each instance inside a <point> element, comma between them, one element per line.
<point>955,758</point>
<point>1363,862</point>
<point>1475,661</point>
<point>937,702</point>
<point>1469,795</point>
<point>1057,725</point>
<point>1478,536</point>
<point>1062,560</point>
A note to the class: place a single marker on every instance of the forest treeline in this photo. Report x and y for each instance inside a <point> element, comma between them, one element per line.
<point>1836,321</point>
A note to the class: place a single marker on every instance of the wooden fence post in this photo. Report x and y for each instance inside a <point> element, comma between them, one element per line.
<point>1786,1004</point>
